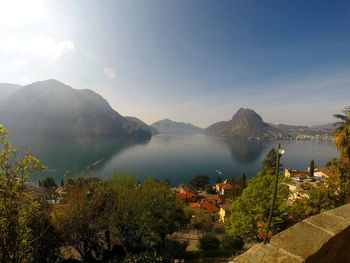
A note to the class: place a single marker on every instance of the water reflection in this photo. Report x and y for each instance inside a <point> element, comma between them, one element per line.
<point>72,155</point>
<point>247,151</point>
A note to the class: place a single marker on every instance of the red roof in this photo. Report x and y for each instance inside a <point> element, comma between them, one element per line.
<point>206,207</point>
<point>185,196</point>
<point>220,184</point>
<point>227,186</point>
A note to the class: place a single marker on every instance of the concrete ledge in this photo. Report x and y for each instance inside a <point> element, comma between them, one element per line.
<point>322,238</point>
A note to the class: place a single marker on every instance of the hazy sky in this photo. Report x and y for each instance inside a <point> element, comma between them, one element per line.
<point>192,61</point>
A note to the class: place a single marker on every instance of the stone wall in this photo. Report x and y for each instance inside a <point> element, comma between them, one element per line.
<point>322,238</point>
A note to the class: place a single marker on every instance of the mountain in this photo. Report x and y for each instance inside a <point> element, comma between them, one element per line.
<point>51,108</point>
<point>244,123</point>
<point>169,126</point>
<point>142,124</point>
<point>327,126</point>
<point>247,123</point>
<point>8,88</point>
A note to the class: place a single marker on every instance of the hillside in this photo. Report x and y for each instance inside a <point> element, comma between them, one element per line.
<point>247,123</point>
<point>8,88</point>
<point>244,123</point>
<point>169,126</point>
<point>51,108</point>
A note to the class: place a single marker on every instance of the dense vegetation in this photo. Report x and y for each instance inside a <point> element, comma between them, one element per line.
<point>121,220</point>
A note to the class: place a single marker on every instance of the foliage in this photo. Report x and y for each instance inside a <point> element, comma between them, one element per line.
<point>269,162</point>
<point>342,132</point>
<point>218,179</point>
<point>249,213</point>
<point>209,242</point>
<point>197,218</point>
<point>209,189</point>
<point>315,201</point>
<point>48,182</point>
<point>232,242</point>
<point>17,208</point>
<point>337,186</point>
<point>199,181</point>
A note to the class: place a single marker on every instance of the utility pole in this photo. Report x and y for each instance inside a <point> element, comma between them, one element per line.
<point>280,151</point>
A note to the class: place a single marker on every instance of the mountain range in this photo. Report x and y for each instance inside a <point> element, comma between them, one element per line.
<point>169,126</point>
<point>247,123</point>
<point>52,108</point>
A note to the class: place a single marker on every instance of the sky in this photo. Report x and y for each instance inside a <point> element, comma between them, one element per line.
<point>195,61</point>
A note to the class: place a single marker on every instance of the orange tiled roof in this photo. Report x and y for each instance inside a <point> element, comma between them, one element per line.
<point>186,195</point>
<point>227,186</point>
<point>206,207</point>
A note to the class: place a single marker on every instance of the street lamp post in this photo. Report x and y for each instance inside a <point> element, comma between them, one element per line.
<point>280,152</point>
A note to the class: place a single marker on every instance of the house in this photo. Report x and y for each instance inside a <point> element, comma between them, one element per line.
<point>225,211</point>
<point>293,173</point>
<point>206,207</point>
<point>187,189</point>
<point>217,199</point>
<point>224,189</point>
<point>322,173</point>
<point>187,197</point>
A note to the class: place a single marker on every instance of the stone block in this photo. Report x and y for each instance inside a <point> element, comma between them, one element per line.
<point>302,240</point>
<point>329,222</point>
<point>266,254</point>
<point>343,211</point>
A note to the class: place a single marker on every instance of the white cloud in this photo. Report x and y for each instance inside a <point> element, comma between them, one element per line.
<point>41,45</point>
<point>109,73</point>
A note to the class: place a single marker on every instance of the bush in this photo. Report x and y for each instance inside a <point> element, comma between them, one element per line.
<point>172,248</point>
<point>209,241</point>
<point>232,242</point>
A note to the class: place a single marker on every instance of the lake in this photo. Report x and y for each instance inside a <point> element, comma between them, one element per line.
<point>174,157</point>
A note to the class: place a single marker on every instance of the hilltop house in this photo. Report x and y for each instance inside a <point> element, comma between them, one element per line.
<point>224,189</point>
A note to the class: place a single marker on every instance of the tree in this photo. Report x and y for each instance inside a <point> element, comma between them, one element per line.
<point>218,179</point>
<point>81,221</point>
<point>342,132</point>
<point>249,213</point>
<point>312,167</point>
<point>199,181</point>
<point>17,208</point>
<point>269,162</point>
<point>244,181</point>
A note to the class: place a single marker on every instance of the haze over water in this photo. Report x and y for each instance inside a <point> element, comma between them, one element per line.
<point>174,157</point>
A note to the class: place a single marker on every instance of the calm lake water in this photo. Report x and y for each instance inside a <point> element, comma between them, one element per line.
<point>174,157</point>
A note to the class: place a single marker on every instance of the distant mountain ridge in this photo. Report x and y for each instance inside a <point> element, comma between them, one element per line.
<point>169,126</point>
<point>8,88</point>
<point>247,123</point>
<point>52,108</point>
<point>244,123</point>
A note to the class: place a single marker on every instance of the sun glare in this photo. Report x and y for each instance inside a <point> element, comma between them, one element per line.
<point>21,12</point>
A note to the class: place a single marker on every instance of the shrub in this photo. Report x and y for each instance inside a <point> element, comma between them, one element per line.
<point>232,242</point>
<point>209,242</point>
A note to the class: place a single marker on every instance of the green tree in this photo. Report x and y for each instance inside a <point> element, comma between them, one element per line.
<point>342,132</point>
<point>17,208</point>
<point>249,213</point>
<point>244,181</point>
<point>269,163</point>
<point>199,181</point>
<point>218,179</point>
<point>312,167</point>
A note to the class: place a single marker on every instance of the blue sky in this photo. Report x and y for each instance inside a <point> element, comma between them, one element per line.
<point>193,61</point>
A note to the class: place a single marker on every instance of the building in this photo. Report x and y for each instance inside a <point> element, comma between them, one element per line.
<point>225,211</point>
<point>187,189</point>
<point>224,189</point>
<point>206,207</point>
<point>187,197</point>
